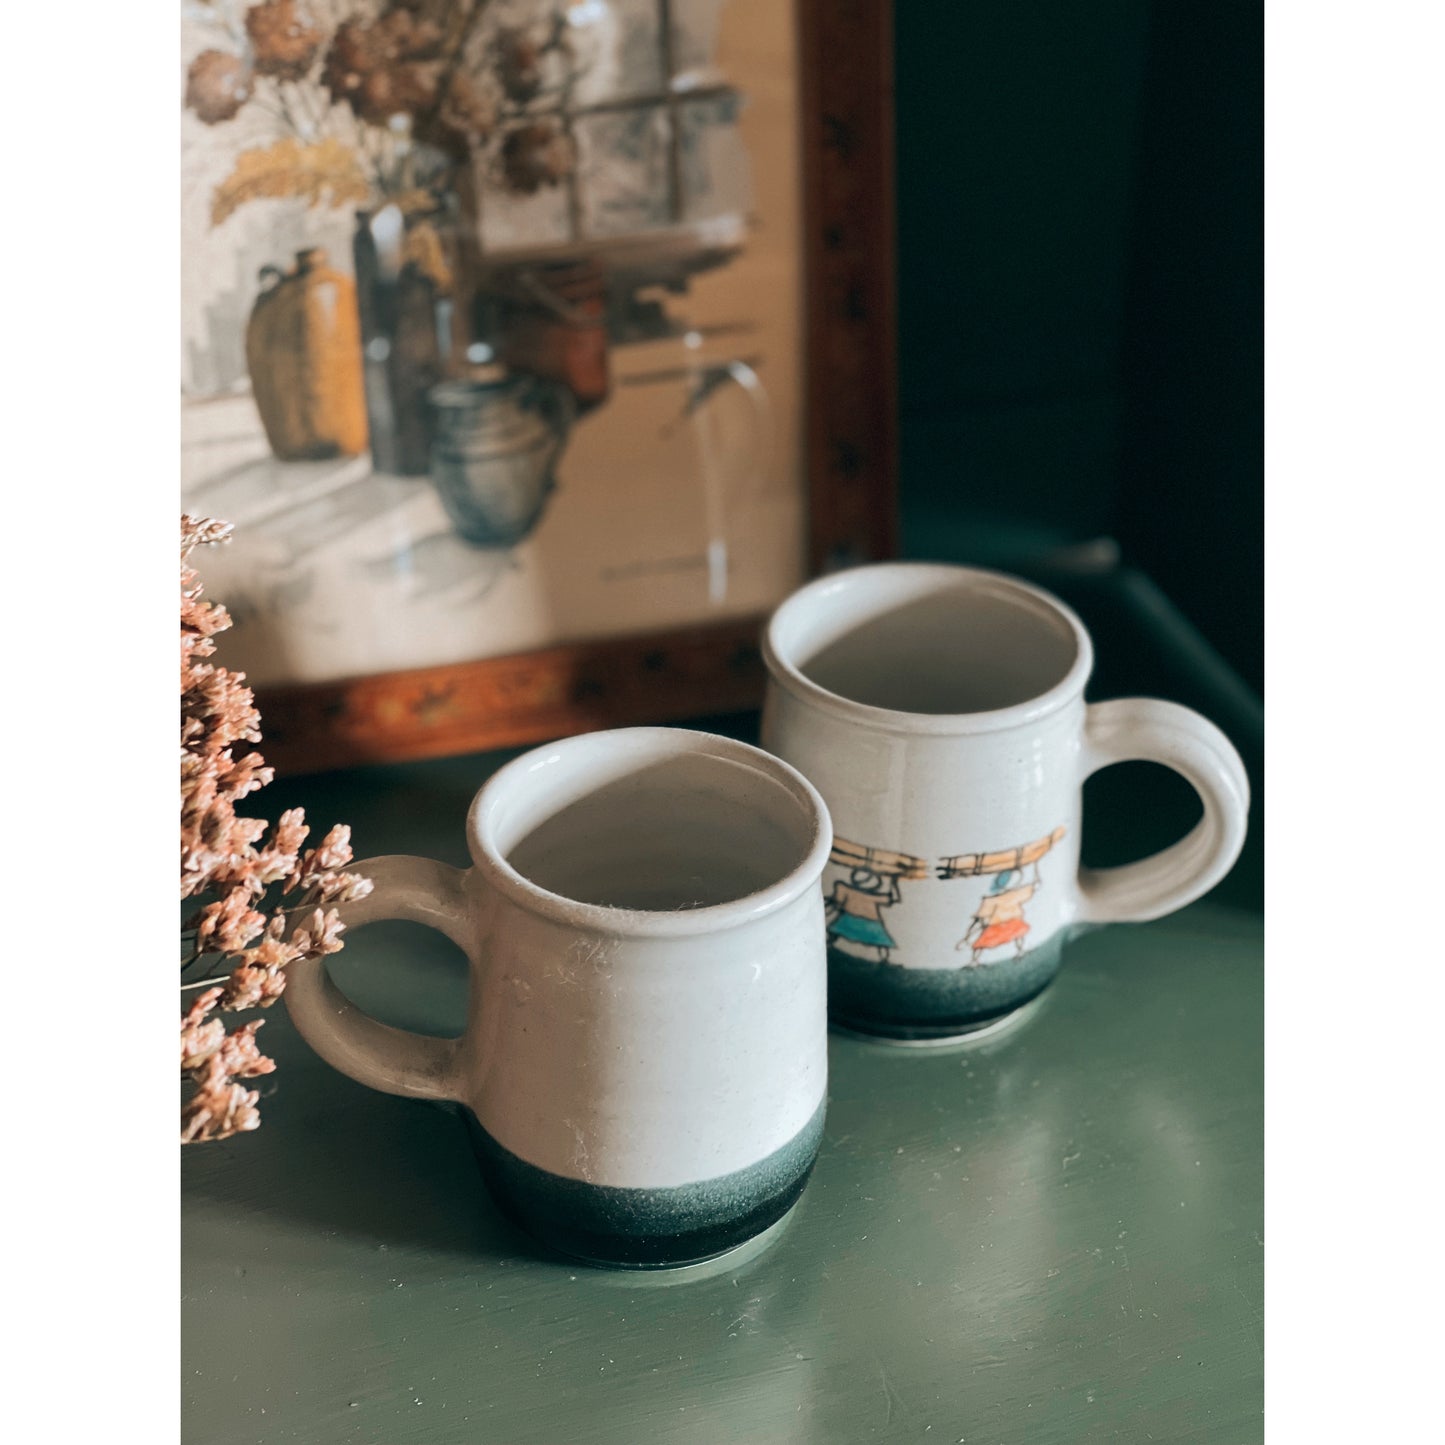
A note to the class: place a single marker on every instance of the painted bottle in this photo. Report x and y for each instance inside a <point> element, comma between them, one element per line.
<point>303,350</point>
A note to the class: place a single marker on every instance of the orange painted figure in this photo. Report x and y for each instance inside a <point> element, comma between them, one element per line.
<point>999,919</point>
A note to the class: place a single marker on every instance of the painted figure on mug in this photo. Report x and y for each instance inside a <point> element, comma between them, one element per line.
<point>999,918</point>
<point>854,911</point>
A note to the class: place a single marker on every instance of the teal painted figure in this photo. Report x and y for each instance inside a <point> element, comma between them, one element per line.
<point>855,911</point>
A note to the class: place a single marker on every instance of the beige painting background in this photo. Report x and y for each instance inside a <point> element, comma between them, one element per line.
<point>337,571</point>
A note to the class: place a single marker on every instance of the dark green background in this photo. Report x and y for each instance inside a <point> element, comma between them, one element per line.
<point>1080,291</point>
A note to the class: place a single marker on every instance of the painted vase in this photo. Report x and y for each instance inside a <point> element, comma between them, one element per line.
<point>303,350</point>
<point>405,330</point>
<point>497,437</point>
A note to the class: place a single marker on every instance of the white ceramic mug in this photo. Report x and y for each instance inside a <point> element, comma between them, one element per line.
<point>940,712</point>
<point>644,1063</point>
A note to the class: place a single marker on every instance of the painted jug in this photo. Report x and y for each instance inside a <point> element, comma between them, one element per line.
<point>303,350</point>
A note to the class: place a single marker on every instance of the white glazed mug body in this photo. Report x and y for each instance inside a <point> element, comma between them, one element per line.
<point>940,712</point>
<point>644,1065</point>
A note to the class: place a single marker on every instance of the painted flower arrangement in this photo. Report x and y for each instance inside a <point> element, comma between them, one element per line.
<point>384,107</point>
<point>264,903</point>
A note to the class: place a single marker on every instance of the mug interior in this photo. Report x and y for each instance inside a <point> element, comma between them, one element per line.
<point>935,640</point>
<point>668,828</point>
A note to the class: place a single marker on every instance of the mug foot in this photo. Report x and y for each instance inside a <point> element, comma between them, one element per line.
<point>920,1038</point>
<point>730,1261</point>
<point>922,1006</point>
<point>664,1228</point>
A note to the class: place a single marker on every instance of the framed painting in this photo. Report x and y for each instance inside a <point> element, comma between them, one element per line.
<point>535,350</point>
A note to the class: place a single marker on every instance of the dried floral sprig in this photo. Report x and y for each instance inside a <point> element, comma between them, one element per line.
<point>227,861</point>
<point>284,38</point>
<point>217,86</point>
<point>372,107</point>
<point>321,172</point>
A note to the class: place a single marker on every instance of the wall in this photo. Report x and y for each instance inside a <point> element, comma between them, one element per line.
<point>1079,217</point>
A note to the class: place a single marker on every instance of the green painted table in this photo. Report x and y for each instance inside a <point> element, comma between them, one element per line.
<point>1054,1236</point>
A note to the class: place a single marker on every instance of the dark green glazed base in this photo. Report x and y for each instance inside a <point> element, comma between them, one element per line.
<point>647,1228</point>
<point>886,1001</point>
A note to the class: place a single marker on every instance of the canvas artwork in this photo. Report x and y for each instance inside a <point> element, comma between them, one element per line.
<point>492,322</point>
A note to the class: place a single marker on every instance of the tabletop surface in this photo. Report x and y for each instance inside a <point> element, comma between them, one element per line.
<point>1051,1236</point>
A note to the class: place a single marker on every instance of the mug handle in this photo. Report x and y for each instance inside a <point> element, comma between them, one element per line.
<point>1144,729</point>
<point>395,1061</point>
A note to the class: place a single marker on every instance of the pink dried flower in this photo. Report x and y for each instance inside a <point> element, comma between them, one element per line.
<point>320,934</point>
<point>218,1108</point>
<point>333,851</point>
<point>201,1036</point>
<point>239,1057</point>
<point>228,861</point>
<point>251,986</point>
<point>337,888</point>
<point>197,531</point>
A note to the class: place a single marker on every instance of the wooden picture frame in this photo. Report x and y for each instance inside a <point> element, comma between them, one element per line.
<point>846,99</point>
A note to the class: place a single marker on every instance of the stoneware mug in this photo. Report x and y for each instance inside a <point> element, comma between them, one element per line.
<point>644,1063</point>
<point>940,712</point>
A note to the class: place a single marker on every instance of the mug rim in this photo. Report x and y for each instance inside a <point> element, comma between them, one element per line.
<point>794,681</point>
<point>802,878</point>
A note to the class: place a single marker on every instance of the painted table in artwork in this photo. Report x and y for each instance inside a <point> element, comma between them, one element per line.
<point>1052,1236</point>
